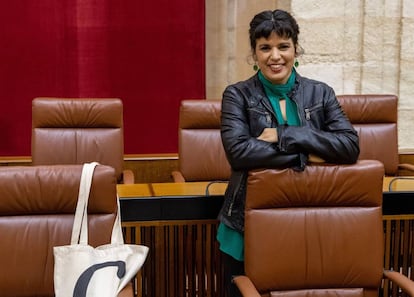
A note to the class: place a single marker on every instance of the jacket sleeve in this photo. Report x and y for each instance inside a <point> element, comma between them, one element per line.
<point>328,134</point>
<point>245,152</point>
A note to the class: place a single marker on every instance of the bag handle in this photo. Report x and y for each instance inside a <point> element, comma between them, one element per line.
<point>117,236</point>
<point>80,222</point>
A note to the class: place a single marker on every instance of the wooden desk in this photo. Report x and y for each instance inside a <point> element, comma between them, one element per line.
<point>171,201</point>
<point>177,221</point>
<point>189,189</point>
<point>398,183</point>
<point>134,190</point>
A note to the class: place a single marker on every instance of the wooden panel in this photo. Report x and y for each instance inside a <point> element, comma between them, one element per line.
<point>184,258</point>
<point>154,168</point>
<point>134,190</point>
<point>406,158</point>
<point>398,249</point>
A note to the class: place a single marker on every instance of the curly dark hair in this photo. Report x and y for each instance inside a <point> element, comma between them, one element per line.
<point>279,21</point>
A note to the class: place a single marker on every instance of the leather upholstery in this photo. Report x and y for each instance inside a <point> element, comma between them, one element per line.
<point>76,131</point>
<point>375,119</point>
<point>37,206</point>
<point>317,232</point>
<point>201,152</point>
<point>202,156</point>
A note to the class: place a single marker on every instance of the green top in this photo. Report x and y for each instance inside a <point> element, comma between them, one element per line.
<point>231,241</point>
<point>278,92</point>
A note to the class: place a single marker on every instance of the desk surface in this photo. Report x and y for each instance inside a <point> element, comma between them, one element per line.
<point>199,188</point>
<point>398,183</point>
<point>171,189</point>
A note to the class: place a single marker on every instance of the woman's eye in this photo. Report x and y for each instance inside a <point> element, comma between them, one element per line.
<point>264,48</point>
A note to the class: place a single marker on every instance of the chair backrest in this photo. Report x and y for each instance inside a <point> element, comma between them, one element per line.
<point>37,206</point>
<point>201,152</point>
<point>77,131</point>
<point>317,232</point>
<point>375,119</point>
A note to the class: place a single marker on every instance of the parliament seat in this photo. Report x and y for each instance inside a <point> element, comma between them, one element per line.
<point>77,131</point>
<point>375,117</point>
<point>316,233</point>
<point>200,150</point>
<point>37,206</point>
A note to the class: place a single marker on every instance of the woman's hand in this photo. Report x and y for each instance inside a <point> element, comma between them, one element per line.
<point>315,159</point>
<point>269,135</point>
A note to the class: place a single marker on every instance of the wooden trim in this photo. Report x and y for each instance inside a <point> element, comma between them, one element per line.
<point>147,157</point>
<point>408,151</point>
<point>127,157</point>
<point>16,159</point>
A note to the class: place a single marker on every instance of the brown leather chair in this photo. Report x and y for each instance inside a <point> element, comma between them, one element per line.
<point>77,131</point>
<point>375,118</point>
<point>315,233</point>
<point>37,206</point>
<point>202,157</point>
<point>200,150</point>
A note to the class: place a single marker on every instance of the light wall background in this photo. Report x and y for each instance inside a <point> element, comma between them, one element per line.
<point>356,46</point>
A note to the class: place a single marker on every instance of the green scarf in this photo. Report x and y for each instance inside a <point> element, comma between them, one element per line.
<point>275,92</point>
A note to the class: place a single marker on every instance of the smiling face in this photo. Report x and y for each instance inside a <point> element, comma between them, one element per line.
<point>275,57</point>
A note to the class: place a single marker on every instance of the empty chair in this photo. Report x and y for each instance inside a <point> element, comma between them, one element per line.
<point>375,117</point>
<point>77,131</point>
<point>315,233</point>
<point>200,150</point>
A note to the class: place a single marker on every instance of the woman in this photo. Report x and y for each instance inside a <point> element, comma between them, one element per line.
<point>275,119</point>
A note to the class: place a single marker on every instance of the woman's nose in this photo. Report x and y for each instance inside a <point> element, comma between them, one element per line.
<point>274,54</point>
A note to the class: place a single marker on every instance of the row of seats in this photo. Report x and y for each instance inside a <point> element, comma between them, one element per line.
<point>373,116</point>
<point>37,202</point>
<point>75,131</point>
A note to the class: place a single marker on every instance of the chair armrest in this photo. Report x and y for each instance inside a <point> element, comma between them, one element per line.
<point>178,177</point>
<point>127,291</point>
<point>128,176</point>
<point>406,166</point>
<point>245,286</point>
<point>406,284</point>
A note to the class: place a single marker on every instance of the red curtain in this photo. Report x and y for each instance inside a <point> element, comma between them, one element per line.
<point>148,53</point>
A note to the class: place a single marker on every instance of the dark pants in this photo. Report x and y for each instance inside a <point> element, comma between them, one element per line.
<point>232,267</point>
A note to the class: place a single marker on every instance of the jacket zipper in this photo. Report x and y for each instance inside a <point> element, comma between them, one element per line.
<point>235,194</point>
<point>308,111</point>
<point>307,114</point>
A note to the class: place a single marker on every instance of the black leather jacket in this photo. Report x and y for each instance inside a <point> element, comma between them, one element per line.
<point>325,131</point>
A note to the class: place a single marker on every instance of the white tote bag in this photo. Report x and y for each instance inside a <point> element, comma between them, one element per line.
<point>81,270</point>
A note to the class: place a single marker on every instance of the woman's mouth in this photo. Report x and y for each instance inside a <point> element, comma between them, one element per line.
<point>276,67</point>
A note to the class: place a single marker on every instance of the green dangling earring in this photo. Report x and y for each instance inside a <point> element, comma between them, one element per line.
<point>255,67</point>
<point>296,64</point>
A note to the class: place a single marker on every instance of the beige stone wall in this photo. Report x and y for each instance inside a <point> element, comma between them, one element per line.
<point>355,46</point>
